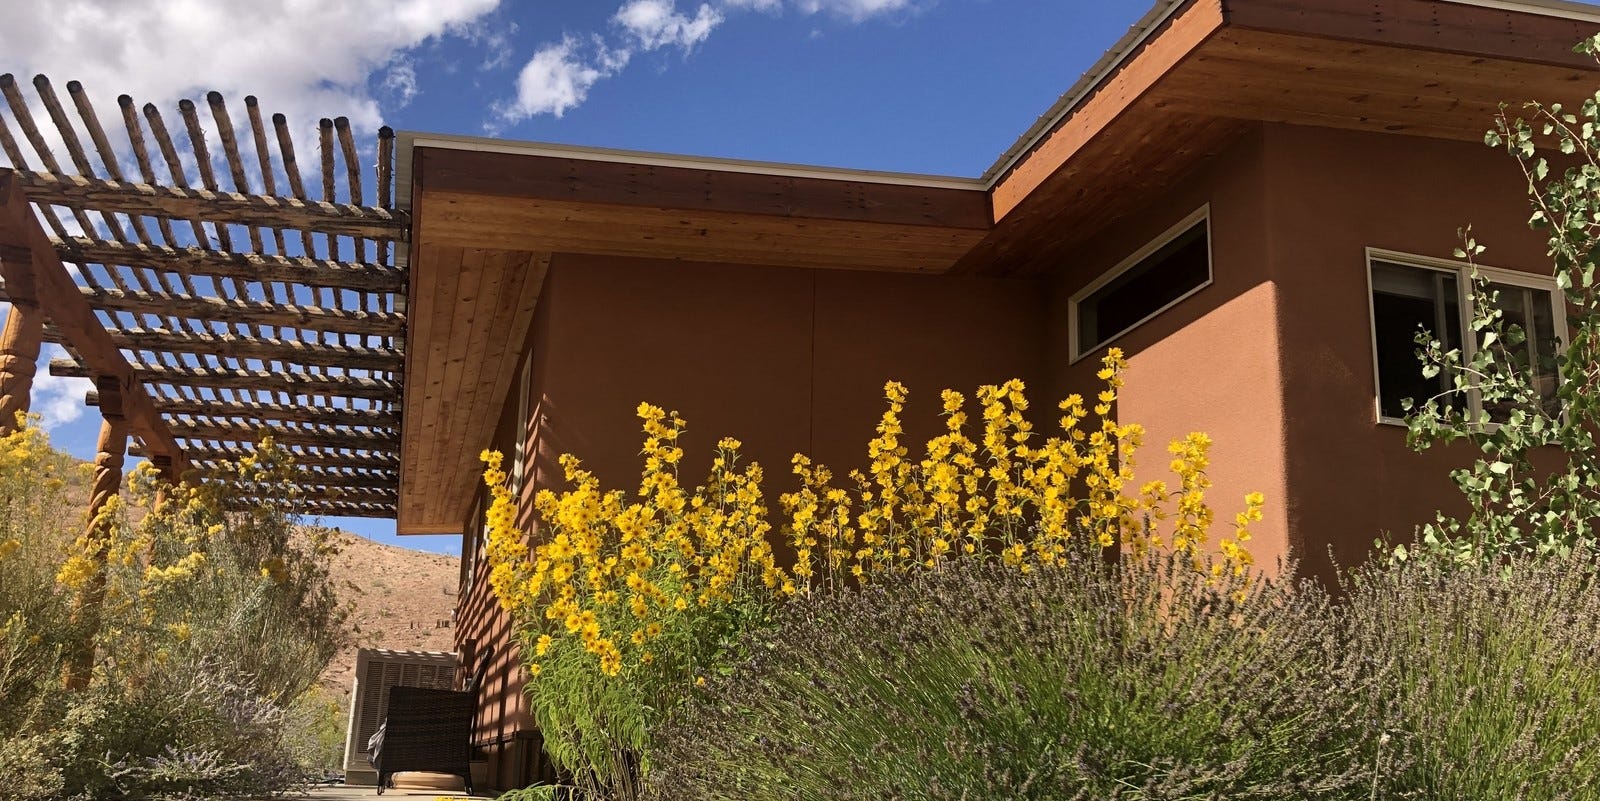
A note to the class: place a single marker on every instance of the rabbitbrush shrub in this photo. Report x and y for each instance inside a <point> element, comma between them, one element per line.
<point>216,616</point>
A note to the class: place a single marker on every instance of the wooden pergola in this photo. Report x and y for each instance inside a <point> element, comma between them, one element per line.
<point>209,309</point>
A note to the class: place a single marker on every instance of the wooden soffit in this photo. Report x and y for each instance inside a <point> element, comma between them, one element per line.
<point>1217,68</point>
<point>486,225</point>
<point>535,203</point>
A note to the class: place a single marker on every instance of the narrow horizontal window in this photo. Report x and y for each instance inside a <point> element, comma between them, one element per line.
<point>1176,265</point>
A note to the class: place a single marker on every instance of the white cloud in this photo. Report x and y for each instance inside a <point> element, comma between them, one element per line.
<point>302,58</point>
<point>855,10</point>
<point>656,23</point>
<point>495,42</point>
<point>401,80</point>
<point>754,5</point>
<point>58,401</point>
<point>554,80</point>
<point>559,76</point>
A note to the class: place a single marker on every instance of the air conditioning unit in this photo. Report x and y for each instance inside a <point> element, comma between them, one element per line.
<point>377,670</point>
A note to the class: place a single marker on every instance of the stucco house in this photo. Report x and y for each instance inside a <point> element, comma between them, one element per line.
<point>1255,199</point>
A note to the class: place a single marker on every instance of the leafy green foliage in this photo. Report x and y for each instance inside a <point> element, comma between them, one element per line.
<point>1535,487</point>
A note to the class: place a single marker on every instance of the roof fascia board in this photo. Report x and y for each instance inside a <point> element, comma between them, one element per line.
<point>1179,36</point>
<point>409,140</point>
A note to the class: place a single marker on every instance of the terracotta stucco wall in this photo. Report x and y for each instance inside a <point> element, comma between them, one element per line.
<point>1209,363</point>
<point>785,360</point>
<point>1332,194</point>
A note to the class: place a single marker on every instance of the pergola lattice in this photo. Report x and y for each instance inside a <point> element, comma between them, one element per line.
<point>220,308</point>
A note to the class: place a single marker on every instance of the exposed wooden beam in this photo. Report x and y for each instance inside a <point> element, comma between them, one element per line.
<point>315,415</point>
<point>59,297</point>
<point>342,495</point>
<point>248,312</point>
<point>215,456</point>
<point>19,348</point>
<point>248,266</point>
<point>263,380</point>
<point>326,508</point>
<point>352,357</point>
<point>231,431</point>
<point>110,196</point>
<point>308,477</point>
<point>1479,30</point>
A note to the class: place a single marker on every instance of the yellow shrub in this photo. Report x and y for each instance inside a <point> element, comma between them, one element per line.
<point>612,574</point>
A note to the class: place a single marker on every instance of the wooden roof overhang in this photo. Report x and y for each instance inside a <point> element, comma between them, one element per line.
<point>225,308</point>
<point>1209,70</point>
<point>490,215</point>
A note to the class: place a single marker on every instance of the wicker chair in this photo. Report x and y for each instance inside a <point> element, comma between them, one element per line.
<point>427,730</point>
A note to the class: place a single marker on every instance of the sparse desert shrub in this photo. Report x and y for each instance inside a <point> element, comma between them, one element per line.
<point>315,732</point>
<point>1483,679</point>
<point>1078,680</point>
<point>213,619</point>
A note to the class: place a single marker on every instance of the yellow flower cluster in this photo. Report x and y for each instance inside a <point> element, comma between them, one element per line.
<point>612,575</point>
<point>1012,494</point>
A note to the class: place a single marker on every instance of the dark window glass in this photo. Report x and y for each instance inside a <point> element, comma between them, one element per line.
<point>1178,268</point>
<point>1407,301</point>
<point>1530,310</point>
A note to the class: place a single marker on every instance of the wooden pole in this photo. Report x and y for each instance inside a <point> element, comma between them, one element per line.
<point>19,342</point>
<point>110,452</point>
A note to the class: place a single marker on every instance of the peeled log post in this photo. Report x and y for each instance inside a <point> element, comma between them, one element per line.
<point>19,347</point>
<point>167,479</point>
<point>110,452</point>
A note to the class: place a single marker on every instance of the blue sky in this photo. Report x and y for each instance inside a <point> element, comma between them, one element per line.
<point>928,86</point>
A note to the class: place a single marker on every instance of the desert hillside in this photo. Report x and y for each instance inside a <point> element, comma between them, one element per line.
<point>402,601</point>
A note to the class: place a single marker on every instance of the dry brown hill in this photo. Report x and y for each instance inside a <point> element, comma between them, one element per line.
<point>401,600</point>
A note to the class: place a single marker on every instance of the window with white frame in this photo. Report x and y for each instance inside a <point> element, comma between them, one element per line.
<point>1414,294</point>
<point>1172,267</point>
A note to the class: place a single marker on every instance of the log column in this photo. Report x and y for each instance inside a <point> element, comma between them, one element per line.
<point>111,451</point>
<point>168,478</point>
<point>19,340</point>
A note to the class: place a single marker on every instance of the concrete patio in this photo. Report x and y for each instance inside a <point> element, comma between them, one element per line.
<point>354,793</point>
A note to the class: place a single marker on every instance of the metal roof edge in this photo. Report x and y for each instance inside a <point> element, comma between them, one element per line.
<point>1108,63</point>
<point>408,141</point>
<point>1565,9</point>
